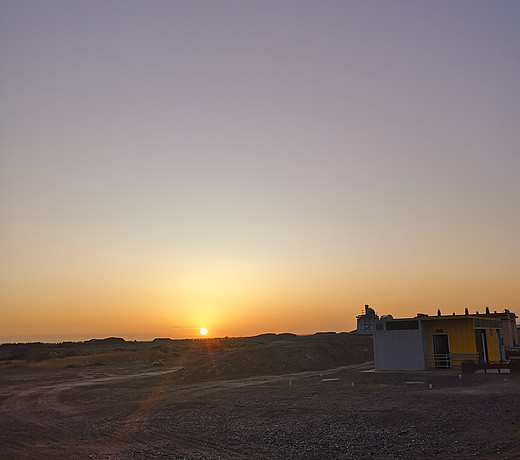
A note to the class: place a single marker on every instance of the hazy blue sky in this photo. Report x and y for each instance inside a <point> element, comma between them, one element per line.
<point>255,166</point>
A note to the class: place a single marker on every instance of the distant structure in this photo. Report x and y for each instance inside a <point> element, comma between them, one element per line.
<point>509,327</point>
<point>366,321</point>
<point>440,341</point>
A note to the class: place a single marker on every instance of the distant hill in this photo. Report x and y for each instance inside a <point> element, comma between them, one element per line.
<point>107,341</point>
<point>203,359</point>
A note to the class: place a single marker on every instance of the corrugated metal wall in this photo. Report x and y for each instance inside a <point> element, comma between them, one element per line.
<point>492,344</point>
<point>394,350</point>
<point>461,333</point>
<point>406,349</point>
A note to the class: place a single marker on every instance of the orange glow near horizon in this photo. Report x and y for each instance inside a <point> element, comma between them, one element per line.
<point>278,186</point>
<point>304,304</point>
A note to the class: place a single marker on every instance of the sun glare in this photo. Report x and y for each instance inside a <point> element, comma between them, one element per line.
<point>203,331</point>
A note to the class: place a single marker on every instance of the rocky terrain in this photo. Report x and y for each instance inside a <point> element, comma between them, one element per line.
<point>272,396</point>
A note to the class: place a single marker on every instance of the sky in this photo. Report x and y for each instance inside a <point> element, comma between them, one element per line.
<point>254,166</point>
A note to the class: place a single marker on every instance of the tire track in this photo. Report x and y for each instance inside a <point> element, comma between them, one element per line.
<point>107,416</point>
<point>49,423</point>
<point>136,431</point>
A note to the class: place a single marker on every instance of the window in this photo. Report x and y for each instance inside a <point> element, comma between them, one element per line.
<point>402,325</point>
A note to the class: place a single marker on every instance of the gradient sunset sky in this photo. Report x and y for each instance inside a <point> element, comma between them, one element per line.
<point>254,166</point>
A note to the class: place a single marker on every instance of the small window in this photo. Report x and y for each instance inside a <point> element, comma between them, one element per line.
<point>402,325</point>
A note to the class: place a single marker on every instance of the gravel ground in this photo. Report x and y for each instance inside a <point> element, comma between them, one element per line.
<point>144,412</point>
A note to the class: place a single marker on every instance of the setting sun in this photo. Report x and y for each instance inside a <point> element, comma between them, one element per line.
<point>203,331</point>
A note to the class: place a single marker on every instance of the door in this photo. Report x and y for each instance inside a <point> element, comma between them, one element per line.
<point>441,351</point>
<point>500,342</point>
<point>481,342</point>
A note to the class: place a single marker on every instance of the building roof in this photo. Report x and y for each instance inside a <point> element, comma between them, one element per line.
<point>480,320</point>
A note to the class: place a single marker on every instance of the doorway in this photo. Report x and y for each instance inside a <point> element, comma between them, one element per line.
<point>441,351</point>
<point>481,342</point>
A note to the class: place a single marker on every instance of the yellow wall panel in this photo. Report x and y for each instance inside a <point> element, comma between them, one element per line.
<point>492,345</point>
<point>461,336</point>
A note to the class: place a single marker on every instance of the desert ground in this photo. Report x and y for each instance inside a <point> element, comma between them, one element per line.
<point>266,397</point>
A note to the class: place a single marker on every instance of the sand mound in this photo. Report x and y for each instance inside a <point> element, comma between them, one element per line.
<point>275,355</point>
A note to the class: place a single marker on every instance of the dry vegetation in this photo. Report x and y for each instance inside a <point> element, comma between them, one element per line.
<point>215,358</point>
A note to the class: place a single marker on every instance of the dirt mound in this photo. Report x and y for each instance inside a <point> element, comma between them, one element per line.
<point>107,341</point>
<point>275,355</point>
